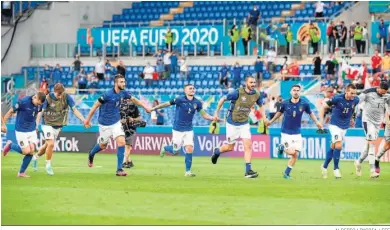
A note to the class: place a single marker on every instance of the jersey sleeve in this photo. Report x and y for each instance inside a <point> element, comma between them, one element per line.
<point>70,101</point>
<point>16,107</point>
<point>175,101</point>
<point>232,96</point>
<point>332,101</point>
<point>307,109</point>
<point>103,98</point>
<point>127,94</point>
<point>282,107</point>
<point>199,107</point>
<point>362,97</point>
<point>259,101</point>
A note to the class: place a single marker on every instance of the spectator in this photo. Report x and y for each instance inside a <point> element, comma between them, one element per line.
<point>56,74</point>
<point>160,68</point>
<point>382,33</point>
<point>331,67</point>
<point>44,86</point>
<point>108,68</point>
<point>272,108</point>
<point>360,82</point>
<point>352,30</point>
<point>121,68</point>
<point>365,37</point>
<point>319,12</point>
<point>358,37</point>
<point>331,37</point>
<point>386,62</point>
<point>284,69</point>
<point>253,18</point>
<point>93,82</point>
<point>153,114</point>
<point>174,64</point>
<point>259,69</point>
<point>160,117</point>
<point>223,79</point>
<point>159,54</point>
<point>278,103</point>
<point>237,75</point>
<point>317,64</point>
<point>148,74</point>
<point>184,71</point>
<point>234,37</point>
<point>246,37</point>
<point>169,39</point>
<point>82,82</point>
<point>289,39</point>
<point>341,34</point>
<point>167,64</point>
<point>293,69</point>
<point>271,56</point>
<point>314,38</point>
<point>376,62</point>
<point>76,65</point>
<point>47,72</point>
<point>100,69</point>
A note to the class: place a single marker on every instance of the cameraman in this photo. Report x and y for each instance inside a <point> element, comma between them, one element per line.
<point>130,119</point>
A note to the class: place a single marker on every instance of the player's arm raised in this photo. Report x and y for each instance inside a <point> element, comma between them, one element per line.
<point>140,103</point>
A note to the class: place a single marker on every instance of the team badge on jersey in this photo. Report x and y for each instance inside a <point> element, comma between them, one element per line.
<point>243,98</point>
<point>195,106</point>
<point>300,108</point>
<point>52,105</point>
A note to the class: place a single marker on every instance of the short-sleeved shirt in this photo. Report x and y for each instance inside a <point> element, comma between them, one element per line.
<point>342,110</point>
<point>233,97</point>
<point>292,118</point>
<point>109,111</point>
<point>26,114</point>
<point>185,111</point>
<point>375,60</point>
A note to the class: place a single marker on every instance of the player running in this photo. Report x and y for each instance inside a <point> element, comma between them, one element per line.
<point>130,119</point>
<point>375,101</point>
<point>343,109</point>
<point>237,126</point>
<point>110,121</point>
<point>182,131</point>
<point>291,138</point>
<point>27,109</point>
<point>55,116</point>
<point>386,146</point>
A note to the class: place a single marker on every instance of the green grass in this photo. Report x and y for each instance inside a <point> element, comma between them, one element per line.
<point>157,193</point>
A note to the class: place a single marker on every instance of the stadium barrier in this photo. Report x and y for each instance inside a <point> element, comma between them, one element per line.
<point>149,140</point>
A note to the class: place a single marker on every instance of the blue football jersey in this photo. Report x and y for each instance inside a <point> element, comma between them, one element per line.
<point>292,118</point>
<point>26,114</point>
<point>342,110</point>
<point>185,111</point>
<point>109,111</point>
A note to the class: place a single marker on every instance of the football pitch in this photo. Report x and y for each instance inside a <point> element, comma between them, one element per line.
<point>156,193</point>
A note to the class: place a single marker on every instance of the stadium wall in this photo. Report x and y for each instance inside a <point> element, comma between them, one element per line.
<point>149,140</point>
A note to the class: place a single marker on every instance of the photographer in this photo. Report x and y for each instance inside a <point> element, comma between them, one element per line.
<point>130,119</point>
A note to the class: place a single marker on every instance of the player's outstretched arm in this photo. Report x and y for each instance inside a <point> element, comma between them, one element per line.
<point>207,116</point>
<point>5,120</point>
<point>276,117</point>
<point>219,106</point>
<point>79,115</point>
<point>140,103</point>
<point>160,106</point>
<point>314,119</point>
<point>91,113</point>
